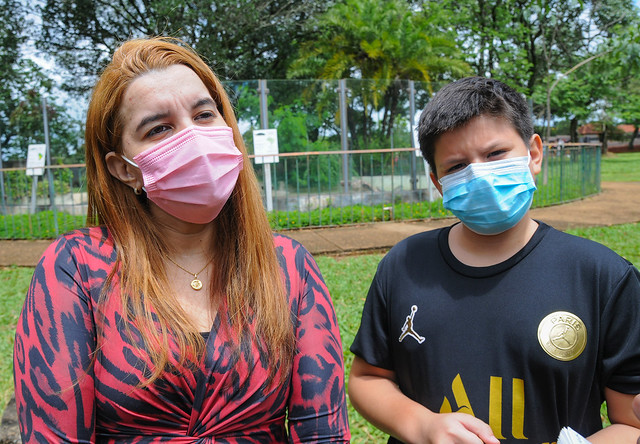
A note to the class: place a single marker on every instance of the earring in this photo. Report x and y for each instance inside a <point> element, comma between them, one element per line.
<point>137,191</point>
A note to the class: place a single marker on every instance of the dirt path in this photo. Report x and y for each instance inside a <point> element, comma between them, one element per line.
<point>618,203</point>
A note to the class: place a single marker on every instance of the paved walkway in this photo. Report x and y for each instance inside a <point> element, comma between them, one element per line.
<point>618,203</point>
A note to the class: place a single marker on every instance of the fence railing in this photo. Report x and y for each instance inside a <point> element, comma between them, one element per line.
<point>311,189</point>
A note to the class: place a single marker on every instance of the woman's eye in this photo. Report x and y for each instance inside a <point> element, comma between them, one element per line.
<point>206,115</point>
<point>157,130</point>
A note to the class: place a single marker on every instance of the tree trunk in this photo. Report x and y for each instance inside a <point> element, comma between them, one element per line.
<point>604,138</point>
<point>395,94</point>
<point>633,137</point>
<point>573,130</point>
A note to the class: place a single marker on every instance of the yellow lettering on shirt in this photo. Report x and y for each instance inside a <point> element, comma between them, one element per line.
<point>517,414</point>
<point>495,406</point>
<point>496,414</point>
<point>460,395</point>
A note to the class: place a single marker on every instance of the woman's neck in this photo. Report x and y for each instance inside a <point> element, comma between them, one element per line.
<point>183,238</point>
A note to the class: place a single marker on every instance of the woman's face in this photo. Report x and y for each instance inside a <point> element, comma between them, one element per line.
<point>161,103</point>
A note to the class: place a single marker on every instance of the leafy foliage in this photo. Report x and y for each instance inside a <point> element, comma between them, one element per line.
<point>27,123</point>
<point>242,39</point>
<point>535,46</point>
<point>24,84</point>
<point>12,25</point>
<point>380,42</point>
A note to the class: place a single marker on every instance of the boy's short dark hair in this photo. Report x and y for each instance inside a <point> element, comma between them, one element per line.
<point>457,103</point>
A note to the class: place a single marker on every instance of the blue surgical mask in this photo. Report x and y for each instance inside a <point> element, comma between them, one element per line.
<point>490,197</point>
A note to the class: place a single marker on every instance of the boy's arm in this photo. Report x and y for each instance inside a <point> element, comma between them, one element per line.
<point>376,396</point>
<point>636,406</point>
<point>625,426</point>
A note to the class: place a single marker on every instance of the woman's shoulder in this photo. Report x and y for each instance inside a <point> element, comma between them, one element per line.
<point>293,257</point>
<point>87,242</point>
<point>286,244</point>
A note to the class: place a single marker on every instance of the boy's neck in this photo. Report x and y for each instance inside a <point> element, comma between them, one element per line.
<point>479,250</point>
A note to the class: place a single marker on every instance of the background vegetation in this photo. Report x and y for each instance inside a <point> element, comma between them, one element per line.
<point>577,61</point>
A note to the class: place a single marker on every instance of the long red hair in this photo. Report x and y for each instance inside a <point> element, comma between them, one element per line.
<point>247,270</point>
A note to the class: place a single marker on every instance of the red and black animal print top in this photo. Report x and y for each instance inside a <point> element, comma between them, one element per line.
<point>62,396</point>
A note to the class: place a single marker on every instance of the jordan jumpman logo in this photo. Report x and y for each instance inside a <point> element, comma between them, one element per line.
<point>407,328</point>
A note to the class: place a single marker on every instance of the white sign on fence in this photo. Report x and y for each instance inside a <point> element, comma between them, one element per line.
<point>265,146</point>
<point>36,157</point>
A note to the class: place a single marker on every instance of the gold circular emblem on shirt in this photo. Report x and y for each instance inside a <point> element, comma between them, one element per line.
<point>562,335</point>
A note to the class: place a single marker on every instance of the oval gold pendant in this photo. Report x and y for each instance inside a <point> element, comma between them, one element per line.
<point>196,284</point>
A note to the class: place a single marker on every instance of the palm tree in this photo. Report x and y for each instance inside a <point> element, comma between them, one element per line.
<point>381,40</point>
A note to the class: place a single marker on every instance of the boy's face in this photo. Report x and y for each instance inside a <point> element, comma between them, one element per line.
<point>482,139</point>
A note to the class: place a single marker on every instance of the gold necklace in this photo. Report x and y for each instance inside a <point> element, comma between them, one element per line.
<point>196,283</point>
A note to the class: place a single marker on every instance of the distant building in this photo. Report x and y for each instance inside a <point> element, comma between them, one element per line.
<point>620,142</point>
<point>590,133</point>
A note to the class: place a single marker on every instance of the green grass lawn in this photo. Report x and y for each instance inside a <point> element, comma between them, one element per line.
<point>13,287</point>
<point>622,167</point>
<point>348,279</point>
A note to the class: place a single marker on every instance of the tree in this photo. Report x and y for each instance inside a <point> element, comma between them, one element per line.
<point>531,44</point>
<point>629,109</point>
<point>24,84</point>
<point>601,86</point>
<point>574,99</point>
<point>627,88</point>
<point>242,39</point>
<point>27,122</point>
<point>373,39</point>
<point>11,38</point>
<point>384,41</point>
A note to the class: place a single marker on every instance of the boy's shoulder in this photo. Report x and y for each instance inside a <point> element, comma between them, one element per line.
<point>547,241</point>
<point>419,246</point>
<point>419,240</point>
<point>578,248</point>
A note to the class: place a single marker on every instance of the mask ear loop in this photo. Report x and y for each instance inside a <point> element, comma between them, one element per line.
<point>130,162</point>
<point>137,191</point>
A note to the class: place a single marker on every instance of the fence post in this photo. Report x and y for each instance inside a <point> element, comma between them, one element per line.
<point>344,141</point>
<point>34,193</point>
<point>412,113</point>
<point>52,197</point>
<point>264,124</point>
<point>598,171</point>
<point>561,155</point>
<point>583,165</point>
<point>2,196</point>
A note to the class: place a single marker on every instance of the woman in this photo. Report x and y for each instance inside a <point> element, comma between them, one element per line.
<point>177,316</point>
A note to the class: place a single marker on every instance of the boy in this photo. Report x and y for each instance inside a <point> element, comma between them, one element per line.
<point>498,328</point>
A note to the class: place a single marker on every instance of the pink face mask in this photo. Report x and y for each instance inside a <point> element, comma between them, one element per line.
<point>192,174</point>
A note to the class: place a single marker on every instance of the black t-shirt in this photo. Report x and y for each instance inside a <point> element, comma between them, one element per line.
<point>527,345</point>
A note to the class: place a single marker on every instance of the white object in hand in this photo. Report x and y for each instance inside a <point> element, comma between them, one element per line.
<point>570,436</point>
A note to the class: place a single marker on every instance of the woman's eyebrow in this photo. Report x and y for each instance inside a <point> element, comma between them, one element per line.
<point>151,118</point>
<point>205,101</point>
<point>159,116</point>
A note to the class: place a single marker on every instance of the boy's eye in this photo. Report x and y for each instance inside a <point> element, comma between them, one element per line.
<point>496,153</point>
<point>456,167</point>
